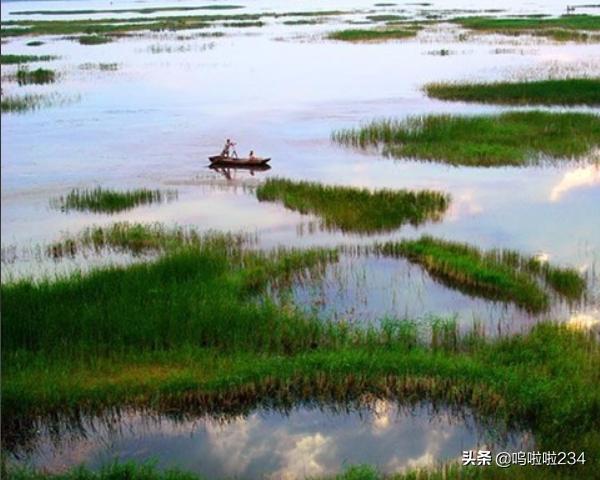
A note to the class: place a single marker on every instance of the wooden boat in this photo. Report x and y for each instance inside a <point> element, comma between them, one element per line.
<point>220,160</point>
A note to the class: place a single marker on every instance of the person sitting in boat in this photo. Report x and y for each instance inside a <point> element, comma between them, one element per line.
<point>251,155</point>
<point>228,145</point>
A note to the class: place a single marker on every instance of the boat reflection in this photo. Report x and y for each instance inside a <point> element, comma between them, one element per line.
<point>228,171</point>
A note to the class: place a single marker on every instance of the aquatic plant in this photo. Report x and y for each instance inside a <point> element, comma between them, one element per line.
<point>38,76</point>
<point>30,101</point>
<point>507,139</point>
<point>35,43</point>
<point>502,275</point>
<point>563,28</point>
<point>109,201</point>
<point>244,24</point>
<point>128,10</point>
<point>356,209</point>
<point>386,18</point>
<point>16,59</point>
<point>571,91</point>
<point>358,35</point>
<point>94,39</point>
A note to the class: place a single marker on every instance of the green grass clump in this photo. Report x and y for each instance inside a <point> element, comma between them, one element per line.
<point>35,43</point>
<point>386,18</point>
<point>109,201</point>
<point>572,91</point>
<point>202,294</point>
<point>38,76</point>
<point>17,59</point>
<point>507,139</point>
<point>360,35</point>
<point>25,103</point>
<point>94,39</point>
<point>244,24</point>
<point>563,28</point>
<point>501,275</point>
<point>355,209</point>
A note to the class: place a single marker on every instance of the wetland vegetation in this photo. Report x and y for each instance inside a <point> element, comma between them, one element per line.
<point>18,59</point>
<point>356,209</point>
<point>361,35</point>
<point>39,76</point>
<point>32,101</point>
<point>102,200</point>
<point>563,28</point>
<point>506,139</point>
<point>499,275</point>
<point>571,91</point>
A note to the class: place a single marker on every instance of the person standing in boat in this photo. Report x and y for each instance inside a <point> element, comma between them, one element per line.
<point>228,145</point>
<point>251,155</point>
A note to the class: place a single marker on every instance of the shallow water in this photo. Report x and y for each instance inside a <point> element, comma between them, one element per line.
<point>282,90</point>
<point>306,440</point>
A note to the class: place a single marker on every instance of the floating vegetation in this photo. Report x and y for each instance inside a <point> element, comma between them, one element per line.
<point>355,209</point>
<point>500,275</point>
<point>563,28</point>
<point>94,39</point>
<point>35,43</point>
<point>385,4</point>
<point>101,200</point>
<point>30,101</point>
<point>572,91</point>
<point>359,35</point>
<point>39,76</point>
<point>308,21</point>
<point>507,139</point>
<point>17,59</point>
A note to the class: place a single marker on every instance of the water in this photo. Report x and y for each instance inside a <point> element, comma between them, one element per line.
<point>305,440</point>
<point>281,90</point>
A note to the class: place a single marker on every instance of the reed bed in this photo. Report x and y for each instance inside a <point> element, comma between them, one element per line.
<point>102,200</point>
<point>572,91</point>
<point>94,39</point>
<point>563,28</point>
<point>355,209</point>
<point>502,275</point>
<point>30,102</point>
<point>507,139</point>
<point>116,26</point>
<point>39,76</point>
<point>361,35</point>
<point>18,59</point>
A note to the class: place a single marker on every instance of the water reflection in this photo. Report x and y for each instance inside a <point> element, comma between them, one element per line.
<point>585,177</point>
<point>306,440</point>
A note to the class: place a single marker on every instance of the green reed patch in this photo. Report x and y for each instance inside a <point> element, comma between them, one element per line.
<point>244,24</point>
<point>39,76</point>
<point>355,209</point>
<point>94,39</point>
<point>386,18</point>
<point>563,28</point>
<point>572,91</point>
<point>17,59</point>
<point>497,274</point>
<point>202,295</point>
<point>35,43</point>
<point>30,102</point>
<point>360,35</point>
<point>109,201</point>
<point>507,139</point>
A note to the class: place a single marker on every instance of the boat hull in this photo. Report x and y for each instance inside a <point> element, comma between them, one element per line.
<point>221,161</point>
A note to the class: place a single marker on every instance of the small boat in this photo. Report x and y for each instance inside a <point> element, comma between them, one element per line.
<point>220,160</point>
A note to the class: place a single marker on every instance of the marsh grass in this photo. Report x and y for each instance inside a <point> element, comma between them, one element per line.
<point>101,200</point>
<point>386,18</point>
<point>94,39</point>
<point>30,102</point>
<point>35,43</point>
<point>39,76</point>
<point>361,35</point>
<point>116,26</point>
<point>572,91</point>
<point>507,139</point>
<point>563,28</point>
<point>17,59</point>
<point>503,275</point>
<point>257,23</point>
<point>355,209</point>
